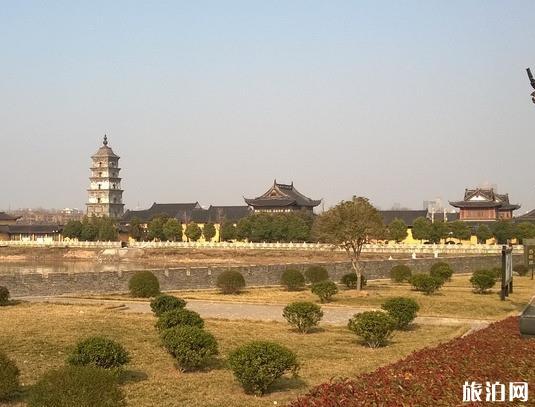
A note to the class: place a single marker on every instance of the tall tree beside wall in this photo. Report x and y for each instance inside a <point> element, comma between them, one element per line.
<point>227,231</point>
<point>107,230</point>
<point>437,231</point>
<point>172,230</point>
<point>155,229</point>
<point>420,228</point>
<point>243,229</point>
<point>135,230</point>
<point>298,230</point>
<point>275,227</point>
<point>89,229</point>
<point>397,230</point>
<point>208,232</point>
<point>459,230</point>
<point>503,231</point>
<point>193,232</point>
<point>483,233</point>
<point>350,225</point>
<point>73,230</point>
<point>524,230</point>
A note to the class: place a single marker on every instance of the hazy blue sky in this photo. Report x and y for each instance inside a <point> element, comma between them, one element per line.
<point>397,101</point>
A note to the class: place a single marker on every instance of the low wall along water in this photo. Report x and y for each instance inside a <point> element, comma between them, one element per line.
<point>43,284</point>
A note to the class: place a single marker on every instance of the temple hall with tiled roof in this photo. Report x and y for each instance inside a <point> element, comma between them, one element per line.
<point>484,204</point>
<point>282,198</point>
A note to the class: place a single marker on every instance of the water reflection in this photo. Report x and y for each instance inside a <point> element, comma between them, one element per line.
<point>67,267</point>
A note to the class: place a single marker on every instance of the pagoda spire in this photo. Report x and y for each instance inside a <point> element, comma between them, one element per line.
<point>105,142</point>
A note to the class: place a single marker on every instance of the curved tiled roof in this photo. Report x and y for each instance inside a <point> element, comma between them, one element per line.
<point>5,216</point>
<point>282,195</point>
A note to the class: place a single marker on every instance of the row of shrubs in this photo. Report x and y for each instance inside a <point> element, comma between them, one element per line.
<point>145,284</point>
<point>374,327</point>
<point>256,365</point>
<point>428,283</point>
<point>441,272</point>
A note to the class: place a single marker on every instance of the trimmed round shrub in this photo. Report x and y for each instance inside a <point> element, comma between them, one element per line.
<point>324,290</point>
<point>80,386</point>
<point>400,273</point>
<point>315,274</point>
<point>292,279</point>
<point>9,377</point>
<point>4,295</point>
<point>256,365</point>
<point>482,280</point>
<point>374,327</point>
<point>350,281</point>
<point>521,269</point>
<point>403,310</point>
<point>163,303</point>
<point>303,315</point>
<point>426,283</point>
<point>191,346</point>
<point>144,284</point>
<point>230,282</point>
<point>99,352</point>
<point>179,317</point>
<point>442,271</point>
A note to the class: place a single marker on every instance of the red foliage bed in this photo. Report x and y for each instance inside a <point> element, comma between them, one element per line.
<point>435,376</point>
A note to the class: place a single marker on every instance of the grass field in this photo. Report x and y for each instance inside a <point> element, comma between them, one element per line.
<point>455,299</point>
<point>39,336</point>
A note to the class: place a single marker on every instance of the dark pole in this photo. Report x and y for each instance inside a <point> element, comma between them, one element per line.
<point>532,82</point>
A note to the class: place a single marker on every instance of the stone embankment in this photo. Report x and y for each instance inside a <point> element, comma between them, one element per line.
<point>174,278</point>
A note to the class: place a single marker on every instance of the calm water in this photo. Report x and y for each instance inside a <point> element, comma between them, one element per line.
<point>67,267</point>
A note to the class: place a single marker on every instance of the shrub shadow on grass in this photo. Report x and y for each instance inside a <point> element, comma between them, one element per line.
<point>131,376</point>
<point>11,303</point>
<point>314,330</point>
<point>286,383</point>
<point>214,364</point>
<point>411,328</point>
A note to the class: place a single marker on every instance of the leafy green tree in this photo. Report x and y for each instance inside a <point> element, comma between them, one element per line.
<point>298,229</point>
<point>397,230</point>
<point>261,227</point>
<point>483,233</point>
<point>208,232</point>
<point>503,231</point>
<point>437,232</point>
<point>350,225</point>
<point>227,231</point>
<point>172,230</point>
<point>243,229</point>
<point>73,229</point>
<point>459,230</point>
<point>155,229</point>
<point>106,229</point>
<point>136,229</point>
<point>193,232</point>
<point>421,228</point>
<point>89,229</point>
<point>524,230</point>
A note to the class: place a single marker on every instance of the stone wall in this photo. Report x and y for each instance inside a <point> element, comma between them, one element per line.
<point>44,284</point>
